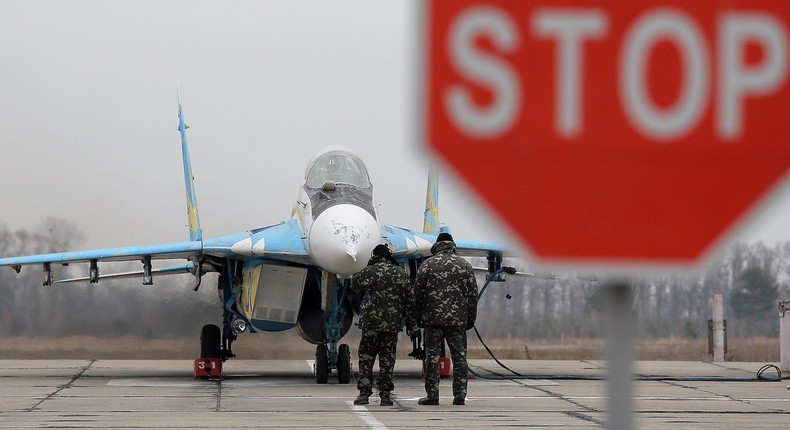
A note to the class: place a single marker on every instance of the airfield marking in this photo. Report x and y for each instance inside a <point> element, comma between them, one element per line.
<point>366,417</point>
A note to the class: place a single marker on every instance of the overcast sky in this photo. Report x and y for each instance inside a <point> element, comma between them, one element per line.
<point>88,114</point>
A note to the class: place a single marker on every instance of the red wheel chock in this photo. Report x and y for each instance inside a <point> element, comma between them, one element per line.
<point>445,368</point>
<point>208,368</point>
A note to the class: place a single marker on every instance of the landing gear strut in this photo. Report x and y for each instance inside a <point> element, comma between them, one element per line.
<point>330,355</point>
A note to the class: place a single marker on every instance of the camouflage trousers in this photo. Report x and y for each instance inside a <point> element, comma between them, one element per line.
<point>371,344</point>
<point>456,340</point>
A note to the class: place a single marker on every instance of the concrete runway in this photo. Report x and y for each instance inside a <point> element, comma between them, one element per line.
<point>282,394</point>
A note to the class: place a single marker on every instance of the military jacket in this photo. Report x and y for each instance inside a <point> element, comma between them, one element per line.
<point>446,289</point>
<point>388,295</point>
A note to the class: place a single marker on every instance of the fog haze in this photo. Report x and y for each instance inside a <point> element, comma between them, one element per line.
<point>88,114</point>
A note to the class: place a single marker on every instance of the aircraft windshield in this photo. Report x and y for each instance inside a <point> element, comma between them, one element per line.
<point>340,168</point>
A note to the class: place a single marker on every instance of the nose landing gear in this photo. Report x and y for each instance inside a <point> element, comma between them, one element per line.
<point>330,358</point>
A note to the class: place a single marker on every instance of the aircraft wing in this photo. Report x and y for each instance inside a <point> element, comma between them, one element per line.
<point>279,242</point>
<point>170,270</point>
<point>406,242</point>
<point>187,250</point>
<point>131,253</point>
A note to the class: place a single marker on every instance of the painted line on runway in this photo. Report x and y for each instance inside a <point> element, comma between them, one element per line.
<point>366,417</point>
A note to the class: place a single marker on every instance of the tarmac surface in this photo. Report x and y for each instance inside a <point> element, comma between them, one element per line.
<point>283,394</point>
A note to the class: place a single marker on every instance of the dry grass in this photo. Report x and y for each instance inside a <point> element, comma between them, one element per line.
<point>290,346</point>
<point>759,349</point>
<point>248,347</point>
<point>576,349</point>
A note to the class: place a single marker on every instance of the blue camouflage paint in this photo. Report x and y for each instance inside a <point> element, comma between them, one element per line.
<point>399,238</point>
<point>431,220</point>
<point>195,231</point>
<point>265,325</point>
<point>168,250</point>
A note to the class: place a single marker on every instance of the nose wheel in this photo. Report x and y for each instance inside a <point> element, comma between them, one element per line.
<point>332,357</point>
<point>321,364</point>
<point>343,364</point>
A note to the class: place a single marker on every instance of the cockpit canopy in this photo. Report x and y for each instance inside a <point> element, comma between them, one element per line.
<point>339,167</point>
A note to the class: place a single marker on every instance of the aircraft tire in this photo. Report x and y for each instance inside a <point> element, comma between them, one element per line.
<point>321,364</point>
<point>343,364</point>
<point>210,341</point>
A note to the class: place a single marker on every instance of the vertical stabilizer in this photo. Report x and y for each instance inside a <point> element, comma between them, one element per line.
<point>431,222</point>
<point>195,231</point>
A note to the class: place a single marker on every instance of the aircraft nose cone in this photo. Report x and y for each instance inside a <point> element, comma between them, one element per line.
<point>341,238</point>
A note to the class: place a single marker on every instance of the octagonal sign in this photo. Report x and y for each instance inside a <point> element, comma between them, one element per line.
<point>614,133</point>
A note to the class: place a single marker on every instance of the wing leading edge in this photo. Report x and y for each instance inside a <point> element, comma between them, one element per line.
<point>408,244</point>
<point>186,250</point>
<point>279,242</point>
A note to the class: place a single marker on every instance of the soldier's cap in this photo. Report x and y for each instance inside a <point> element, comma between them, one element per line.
<point>444,236</point>
<point>381,250</point>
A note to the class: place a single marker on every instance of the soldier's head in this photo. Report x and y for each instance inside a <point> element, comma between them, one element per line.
<point>444,236</point>
<point>381,250</point>
<point>444,242</point>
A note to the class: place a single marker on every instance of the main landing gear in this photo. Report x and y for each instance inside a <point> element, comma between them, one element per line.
<point>209,365</point>
<point>332,357</point>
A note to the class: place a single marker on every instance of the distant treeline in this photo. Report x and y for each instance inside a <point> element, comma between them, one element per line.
<point>167,309</point>
<point>750,277</point>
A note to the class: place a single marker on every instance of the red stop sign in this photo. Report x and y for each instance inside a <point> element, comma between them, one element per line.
<point>611,132</point>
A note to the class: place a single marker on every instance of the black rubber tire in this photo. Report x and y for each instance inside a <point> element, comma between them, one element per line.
<point>321,364</point>
<point>210,342</point>
<point>343,364</point>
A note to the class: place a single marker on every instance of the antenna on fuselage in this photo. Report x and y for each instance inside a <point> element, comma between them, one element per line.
<point>195,231</point>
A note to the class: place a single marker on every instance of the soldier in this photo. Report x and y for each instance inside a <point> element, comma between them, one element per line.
<point>446,291</point>
<point>388,297</point>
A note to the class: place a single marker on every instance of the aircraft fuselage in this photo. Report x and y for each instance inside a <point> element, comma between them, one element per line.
<point>335,210</point>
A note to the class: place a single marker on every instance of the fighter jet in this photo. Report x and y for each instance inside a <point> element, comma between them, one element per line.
<point>292,274</point>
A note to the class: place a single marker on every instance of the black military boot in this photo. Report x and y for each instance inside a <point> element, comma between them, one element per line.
<point>428,401</point>
<point>361,399</point>
<point>459,401</point>
<point>385,399</point>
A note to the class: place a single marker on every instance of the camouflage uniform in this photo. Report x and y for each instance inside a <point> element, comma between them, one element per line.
<point>446,291</point>
<point>388,296</point>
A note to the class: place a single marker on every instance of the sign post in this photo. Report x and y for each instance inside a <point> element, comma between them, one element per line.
<point>616,135</point>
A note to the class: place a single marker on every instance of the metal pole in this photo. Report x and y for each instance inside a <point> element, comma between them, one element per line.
<point>718,328</point>
<point>784,335</point>
<point>619,350</point>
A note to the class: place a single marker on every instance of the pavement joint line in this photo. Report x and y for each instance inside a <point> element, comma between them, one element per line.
<point>573,414</point>
<point>725,396</point>
<point>219,396</point>
<point>722,366</point>
<point>558,396</point>
<point>366,416</point>
<point>583,417</point>
<point>400,405</point>
<point>706,412</point>
<point>62,386</point>
<point>598,366</point>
